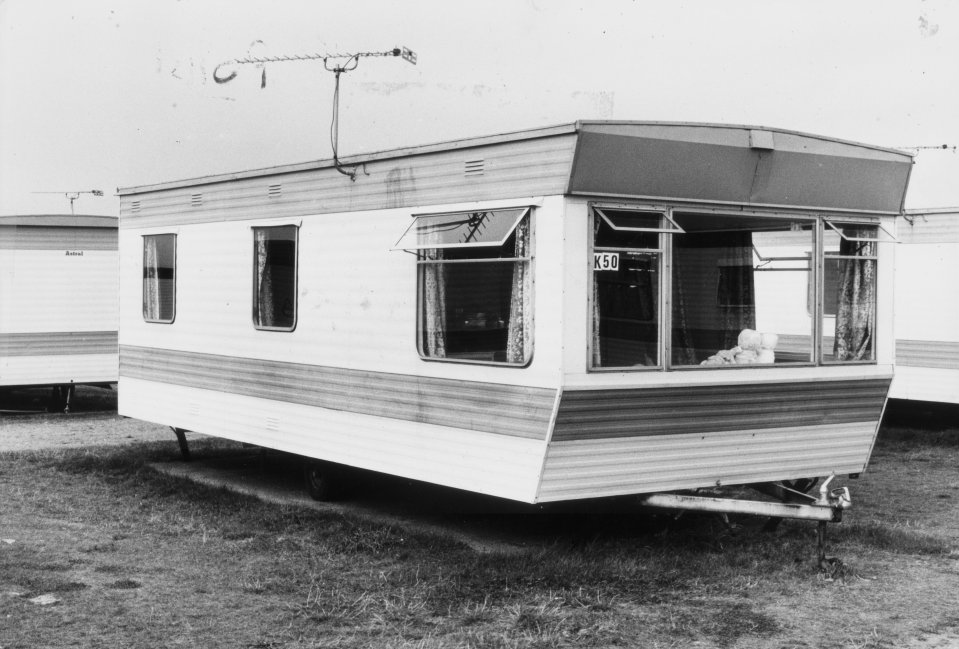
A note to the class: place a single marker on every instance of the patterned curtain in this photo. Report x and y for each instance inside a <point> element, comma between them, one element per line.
<point>737,290</point>
<point>151,279</point>
<point>855,311</point>
<point>265,312</point>
<point>597,311</point>
<point>520,310</point>
<point>434,304</point>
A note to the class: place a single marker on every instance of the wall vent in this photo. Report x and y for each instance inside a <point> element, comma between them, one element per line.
<point>135,206</point>
<point>474,167</point>
<point>274,191</point>
<point>196,200</point>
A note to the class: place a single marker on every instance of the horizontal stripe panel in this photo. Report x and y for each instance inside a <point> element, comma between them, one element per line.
<point>57,238</point>
<point>58,343</point>
<point>590,414</point>
<point>607,467</point>
<point>503,409</point>
<point>928,353</point>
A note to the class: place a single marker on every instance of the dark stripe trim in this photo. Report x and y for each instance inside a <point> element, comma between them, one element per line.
<point>600,414</point>
<point>937,354</point>
<point>60,343</point>
<point>514,410</point>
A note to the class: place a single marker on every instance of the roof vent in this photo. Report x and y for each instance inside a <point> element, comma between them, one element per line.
<point>135,206</point>
<point>274,191</point>
<point>474,167</point>
<point>196,200</point>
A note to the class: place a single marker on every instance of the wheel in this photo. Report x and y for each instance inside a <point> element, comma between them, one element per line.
<point>323,481</point>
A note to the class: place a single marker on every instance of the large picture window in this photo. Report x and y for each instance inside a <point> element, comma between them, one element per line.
<point>274,278</point>
<point>474,295</point>
<point>159,278</point>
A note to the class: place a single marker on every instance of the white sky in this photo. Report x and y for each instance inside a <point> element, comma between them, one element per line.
<point>100,94</point>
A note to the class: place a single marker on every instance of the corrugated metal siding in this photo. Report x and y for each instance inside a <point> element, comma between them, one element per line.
<point>604,414</point>
<point>58,368</point>
<point>611,467</point>
<point>527,168</point>
<point>57,238</point>
<point>925,384</point>
<point>498,465</point>
<point>58,343</point>
<point>919,227</point>
<point>928,353</point>
<point>502,409</point>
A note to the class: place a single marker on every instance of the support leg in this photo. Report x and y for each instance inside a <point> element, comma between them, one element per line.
<point>181,440</point>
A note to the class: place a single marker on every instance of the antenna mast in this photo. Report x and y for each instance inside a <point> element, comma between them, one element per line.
<point>335,63</point>
<point>72,196</point>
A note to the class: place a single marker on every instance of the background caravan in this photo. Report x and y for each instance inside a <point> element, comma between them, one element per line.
<point>588,310</point>
<point>927,306</point>
<point>58,302</point>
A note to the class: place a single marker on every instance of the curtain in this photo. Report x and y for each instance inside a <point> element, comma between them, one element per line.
<point>265,308</point>
<point>855,310</point>
<point>683,352</point>
<point>434,305</point>
<point>151,279</point>
<point>520,311</point>
<point>737,290</point>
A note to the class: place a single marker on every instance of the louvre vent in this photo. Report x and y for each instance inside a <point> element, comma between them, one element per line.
<point>135,206</point>
<point>474,167</point>
<point>196,200</point>
<point>274,191</point>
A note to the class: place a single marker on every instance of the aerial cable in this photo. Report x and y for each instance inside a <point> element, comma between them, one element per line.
<point>331,63</point>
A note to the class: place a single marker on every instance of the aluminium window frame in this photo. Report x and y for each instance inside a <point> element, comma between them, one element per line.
<point>524,210</point>
<point>143,238</point>
<point>254,301</point>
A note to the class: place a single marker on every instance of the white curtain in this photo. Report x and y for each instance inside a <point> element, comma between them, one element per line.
<point>151,279</point>
<point>519,341</point>
<point>434,306</point>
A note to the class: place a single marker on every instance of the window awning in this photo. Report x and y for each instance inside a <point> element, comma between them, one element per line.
<point>473,229</point>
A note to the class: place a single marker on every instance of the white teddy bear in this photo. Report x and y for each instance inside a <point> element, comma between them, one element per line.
<point>753,347</point>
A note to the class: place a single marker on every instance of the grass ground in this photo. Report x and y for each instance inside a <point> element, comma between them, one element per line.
<point>137,559</point>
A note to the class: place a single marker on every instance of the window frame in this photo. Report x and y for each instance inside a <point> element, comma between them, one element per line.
<point>254,298</point>
<point>526,212</point>
<point>173,283</point>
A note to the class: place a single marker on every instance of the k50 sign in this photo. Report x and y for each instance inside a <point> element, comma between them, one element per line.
<point>605,261</point>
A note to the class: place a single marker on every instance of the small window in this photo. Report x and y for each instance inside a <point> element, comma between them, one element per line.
<point>159,278</point>
<point>274,278</point>
<point>474,295</point>
<point>849,292</point>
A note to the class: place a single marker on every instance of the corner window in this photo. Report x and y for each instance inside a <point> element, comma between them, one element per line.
<point>850,260</point>
<point>274,278</point>
<point>740,286</point>
<point>159,278</point>
<point>474,295</point>
<point>626,268</point>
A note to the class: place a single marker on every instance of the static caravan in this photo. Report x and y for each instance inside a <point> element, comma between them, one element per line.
<point>589,310</point>
<point>58,302</point>
<point>927,306</point>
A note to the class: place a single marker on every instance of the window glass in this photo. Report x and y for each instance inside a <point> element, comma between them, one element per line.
<point>159,278</point>
<point>488,228</point>
<point>739,289</point>
<point>475,303</point>
<point>625,292</point>
<point>849,292</point>
<point>274,277</point>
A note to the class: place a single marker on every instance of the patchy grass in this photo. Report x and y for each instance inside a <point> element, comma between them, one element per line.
<point>139,559</point>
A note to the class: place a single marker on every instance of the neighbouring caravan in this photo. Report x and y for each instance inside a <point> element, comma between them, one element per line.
<point>589,310</point>
<point>927,306</point>
<point>58,302</point>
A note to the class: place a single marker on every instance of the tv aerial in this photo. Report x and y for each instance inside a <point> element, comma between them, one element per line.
<point>335,63</point>
<point>73,196</point>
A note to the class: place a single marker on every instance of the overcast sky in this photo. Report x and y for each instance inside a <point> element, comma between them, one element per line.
<point>98,94</point>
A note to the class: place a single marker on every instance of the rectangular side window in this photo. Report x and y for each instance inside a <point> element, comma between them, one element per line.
<point>740,289</point>
<point>850,264</point>
<point>274,277</point>
<point>626,268</point>
<point>159,278</point>
<point>474,295</point>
